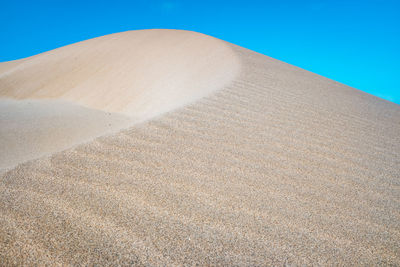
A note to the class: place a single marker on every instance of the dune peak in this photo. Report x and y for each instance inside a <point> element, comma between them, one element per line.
<point>55,100</point>
<point>138,73</point>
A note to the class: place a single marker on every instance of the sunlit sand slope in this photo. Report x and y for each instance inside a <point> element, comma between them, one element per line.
<point>280,167</point>
<point>138,73</point>
<point>99,86</point>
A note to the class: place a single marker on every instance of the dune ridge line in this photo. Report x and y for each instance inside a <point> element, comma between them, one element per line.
<point>70,95</point>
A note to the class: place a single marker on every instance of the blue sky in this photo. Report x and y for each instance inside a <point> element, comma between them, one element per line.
<point>354,42</point>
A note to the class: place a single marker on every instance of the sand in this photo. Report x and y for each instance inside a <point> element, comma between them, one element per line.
<point>75,93</point>
<point>278,166</point>
<point>34,128</point>
<point>137,73</point>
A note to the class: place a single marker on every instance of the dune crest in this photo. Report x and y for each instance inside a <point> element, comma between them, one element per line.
<point>65,95</point>
<point>137,73</point>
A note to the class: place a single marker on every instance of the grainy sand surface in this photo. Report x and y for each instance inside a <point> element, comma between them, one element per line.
<point>67,96</point>
<point>281,166</point>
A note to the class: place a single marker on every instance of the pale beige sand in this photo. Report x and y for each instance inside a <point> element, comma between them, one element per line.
<point>280,167</point>
<point>97,86</point>
<point>33,128</point>
<point>138,73</point>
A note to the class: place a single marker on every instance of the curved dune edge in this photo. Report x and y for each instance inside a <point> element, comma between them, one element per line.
<point>70,95</point>
<point>137,73</point>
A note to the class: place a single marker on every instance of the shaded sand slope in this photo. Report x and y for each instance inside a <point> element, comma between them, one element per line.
<point>281,166</point>
<point>33,128</point>
<point>101,85</point>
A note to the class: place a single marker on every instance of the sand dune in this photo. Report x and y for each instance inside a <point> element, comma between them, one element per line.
<point>280,166</point>
<point>138,73</point>
<point>115,79</point>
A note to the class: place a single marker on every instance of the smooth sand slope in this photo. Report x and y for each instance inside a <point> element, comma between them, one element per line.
<point>107,83</point>
<point>33,128</point>
<point>280,166</point>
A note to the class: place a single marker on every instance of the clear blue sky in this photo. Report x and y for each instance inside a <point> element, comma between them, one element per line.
<point>356,42</point>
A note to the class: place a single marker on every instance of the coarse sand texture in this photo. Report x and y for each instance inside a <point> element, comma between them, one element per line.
<point>64,97</point>
<point>192,151</point>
